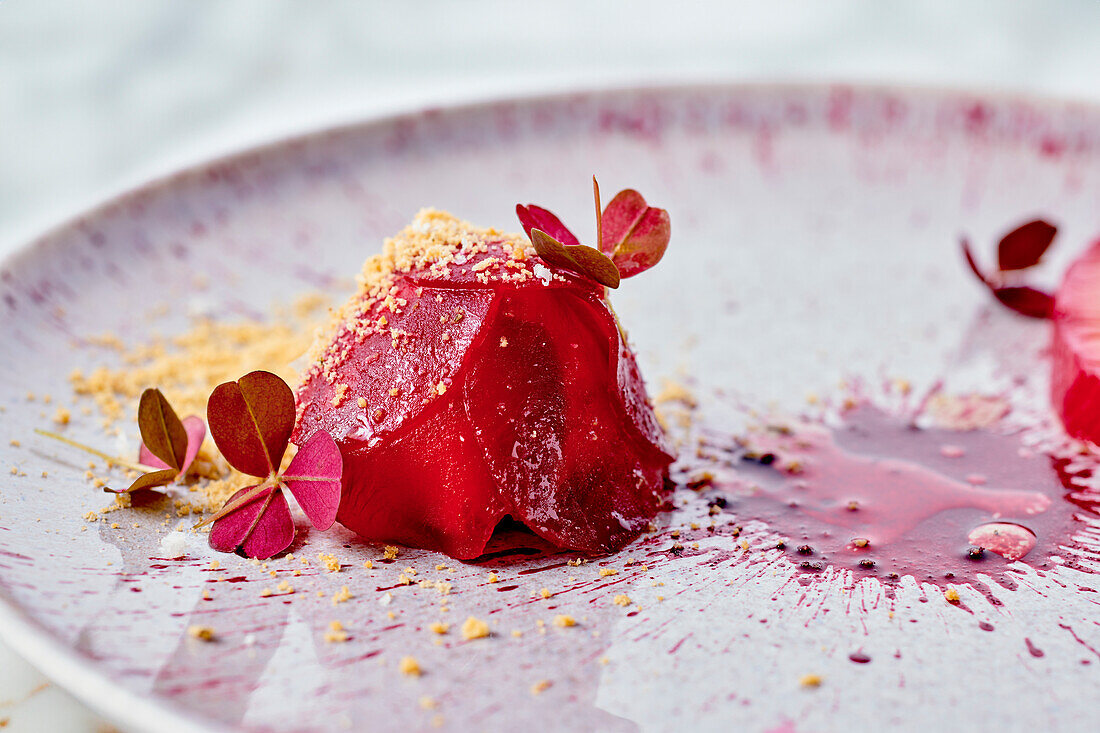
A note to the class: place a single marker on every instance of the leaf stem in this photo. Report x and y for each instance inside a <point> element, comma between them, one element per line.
<point>599,214</point>
<point>88,449</point>
<point>240,501</point>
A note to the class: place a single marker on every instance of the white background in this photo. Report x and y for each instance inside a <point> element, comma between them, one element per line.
<point>96,97</point>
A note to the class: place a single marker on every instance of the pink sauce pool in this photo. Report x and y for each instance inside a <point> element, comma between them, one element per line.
<point>883,498</point>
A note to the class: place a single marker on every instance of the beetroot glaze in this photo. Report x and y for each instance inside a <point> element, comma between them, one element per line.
<point>468,384</point>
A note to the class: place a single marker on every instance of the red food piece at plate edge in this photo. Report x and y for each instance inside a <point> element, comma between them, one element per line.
<point>1075,378</point>
<point>467,382</point>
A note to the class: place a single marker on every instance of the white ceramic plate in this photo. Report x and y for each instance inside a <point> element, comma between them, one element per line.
<point>815,240</point>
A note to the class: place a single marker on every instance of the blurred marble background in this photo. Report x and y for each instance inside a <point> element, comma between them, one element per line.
<point>99,97</point>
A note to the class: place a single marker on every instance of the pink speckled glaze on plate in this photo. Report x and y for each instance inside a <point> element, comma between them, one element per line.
<point>815,240</point>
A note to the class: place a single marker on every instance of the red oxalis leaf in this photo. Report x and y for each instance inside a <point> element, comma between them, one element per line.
<point>1026,301</point>
<point>196,432</point>
<point>251,421</point>
<point>578,258</point>
<point>151,480</point>
<point>260,529</point>
<point>168,444</point>
<point>536,217</point>
<point>161,429</point>
<point>1024,246</point>
<point>313,476</point>
<point>634,234</point>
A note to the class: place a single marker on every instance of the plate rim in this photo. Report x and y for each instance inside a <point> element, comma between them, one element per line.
<point>80,676</point>
<point>178,173</point>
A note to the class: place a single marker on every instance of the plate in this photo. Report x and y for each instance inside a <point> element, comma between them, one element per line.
<point>815,244</point>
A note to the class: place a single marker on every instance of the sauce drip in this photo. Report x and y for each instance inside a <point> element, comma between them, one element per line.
<point>881,497</point>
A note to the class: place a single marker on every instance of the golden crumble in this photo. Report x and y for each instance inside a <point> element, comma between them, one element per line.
<point>433,243</point>
<point>540,687</point>
<point>188,366</point>
<point>336,633</point>
<point>202,633</point>
<point>672,391</point>
<point>474,628</point>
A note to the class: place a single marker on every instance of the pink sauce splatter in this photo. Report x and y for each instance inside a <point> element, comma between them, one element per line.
<point>883,498</point>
